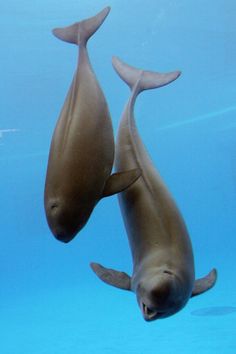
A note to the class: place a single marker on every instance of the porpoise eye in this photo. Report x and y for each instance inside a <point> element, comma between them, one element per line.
<point>54,207</point>
<point>167,272</point>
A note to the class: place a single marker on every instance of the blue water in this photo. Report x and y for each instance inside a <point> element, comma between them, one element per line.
<point>50,301</point>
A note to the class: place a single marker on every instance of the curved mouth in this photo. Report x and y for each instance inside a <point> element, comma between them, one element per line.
<point>150,314</point>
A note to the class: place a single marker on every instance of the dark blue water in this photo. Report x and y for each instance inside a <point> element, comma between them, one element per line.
<point>50,301</point>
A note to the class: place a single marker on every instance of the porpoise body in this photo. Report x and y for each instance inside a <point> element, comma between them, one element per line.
<point>163,265</point>
<point>82,148</point>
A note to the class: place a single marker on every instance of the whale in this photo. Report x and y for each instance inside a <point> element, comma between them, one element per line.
<point>163,277</point>
<point>81,157</point>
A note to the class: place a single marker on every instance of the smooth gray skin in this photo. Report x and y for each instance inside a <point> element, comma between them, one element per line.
<point>163,265</point>
<point>82,148</point>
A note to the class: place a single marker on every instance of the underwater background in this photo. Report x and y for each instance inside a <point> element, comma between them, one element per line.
<point>50,300</point>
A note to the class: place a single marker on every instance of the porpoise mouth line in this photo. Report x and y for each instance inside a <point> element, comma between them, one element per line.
<point>148,313</point>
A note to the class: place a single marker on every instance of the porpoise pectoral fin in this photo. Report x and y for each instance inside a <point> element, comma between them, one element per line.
<point>112,277</point>
<point>119,181</point>
<point>203,284</point>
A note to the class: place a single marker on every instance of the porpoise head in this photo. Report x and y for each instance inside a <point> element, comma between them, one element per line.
<point>160,295</point>
<point>66,219</point>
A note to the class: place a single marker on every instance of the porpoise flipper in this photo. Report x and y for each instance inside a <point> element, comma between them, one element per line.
<point>119,181</point>
<point>112,277</point>
<point>203,284</point>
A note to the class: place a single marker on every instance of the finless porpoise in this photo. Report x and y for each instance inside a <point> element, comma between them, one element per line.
<point>82,148</point>
<point>163,264</point>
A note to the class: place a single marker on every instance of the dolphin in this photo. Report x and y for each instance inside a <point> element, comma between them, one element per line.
<point>82,148</point>
<point>163,265</point>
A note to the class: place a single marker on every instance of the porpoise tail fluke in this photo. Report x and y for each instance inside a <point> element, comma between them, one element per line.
<point>80,32</point>
<point>141,79</point>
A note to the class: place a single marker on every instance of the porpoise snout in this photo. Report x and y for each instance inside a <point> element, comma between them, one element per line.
<point>62,235</point>
<point>62,222</point>
<point>158,296</point>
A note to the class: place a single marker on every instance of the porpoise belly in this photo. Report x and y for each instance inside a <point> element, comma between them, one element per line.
<point>152,220</point>
<point>82,149</point>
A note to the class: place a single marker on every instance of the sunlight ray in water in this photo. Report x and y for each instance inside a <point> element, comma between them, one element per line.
<point>3,131</point>
<point>200,118</point>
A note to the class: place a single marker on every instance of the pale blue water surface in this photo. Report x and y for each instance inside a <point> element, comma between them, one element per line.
<point>50,301</point>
